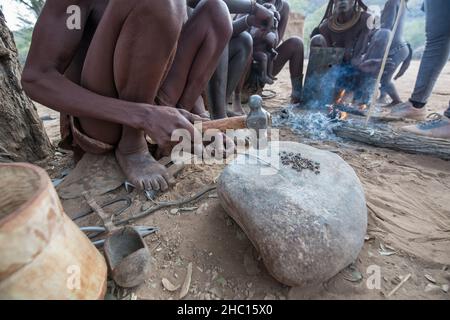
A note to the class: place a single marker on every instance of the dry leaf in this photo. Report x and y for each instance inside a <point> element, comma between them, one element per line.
<point>384,252</point>
<point>169,286</point>
<point>187,282</point>
<point>352,274</point>
<point>430,278</point>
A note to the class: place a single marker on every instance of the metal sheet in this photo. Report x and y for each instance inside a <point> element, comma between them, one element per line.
<point>321,77</point>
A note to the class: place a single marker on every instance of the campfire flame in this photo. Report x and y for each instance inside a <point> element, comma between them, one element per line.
<point>341,109</point>
<point>340,97</point>
<point>343,116</point>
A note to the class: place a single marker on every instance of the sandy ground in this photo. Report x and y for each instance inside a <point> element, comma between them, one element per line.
<point>409,217</point>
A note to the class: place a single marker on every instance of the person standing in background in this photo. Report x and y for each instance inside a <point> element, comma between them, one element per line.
<point>435,57</point>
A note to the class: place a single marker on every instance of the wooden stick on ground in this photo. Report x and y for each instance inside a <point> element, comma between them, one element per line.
<point>163,205</point>
<point>399,285</point>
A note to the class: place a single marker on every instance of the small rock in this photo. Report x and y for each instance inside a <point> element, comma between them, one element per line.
<point>445,288</point>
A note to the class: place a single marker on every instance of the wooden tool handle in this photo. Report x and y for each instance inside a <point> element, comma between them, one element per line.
<point>107,221</point>
<point>224,124</point>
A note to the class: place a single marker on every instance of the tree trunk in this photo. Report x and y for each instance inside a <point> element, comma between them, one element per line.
<point>22,134</point>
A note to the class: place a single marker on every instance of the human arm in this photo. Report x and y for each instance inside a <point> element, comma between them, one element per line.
<point>361,44</point>
<point>258,15</point>
<point>52,50</point>
<point>284,13</point>
<point>240,25</point>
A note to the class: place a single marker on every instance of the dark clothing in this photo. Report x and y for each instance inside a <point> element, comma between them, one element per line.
<point>400,50</point>
<point>437,49</point>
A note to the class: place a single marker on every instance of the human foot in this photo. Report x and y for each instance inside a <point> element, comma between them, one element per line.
<point>143,171</point>
<point>232,114</point>
<point>437,126</point>
<point>236,108</point>
<point>407,111</point>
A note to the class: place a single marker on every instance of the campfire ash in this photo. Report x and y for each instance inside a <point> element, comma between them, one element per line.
<point>319,125</point>
<point>312,125</point>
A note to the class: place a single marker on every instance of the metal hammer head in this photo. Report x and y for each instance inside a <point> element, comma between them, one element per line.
<point>258,118</point>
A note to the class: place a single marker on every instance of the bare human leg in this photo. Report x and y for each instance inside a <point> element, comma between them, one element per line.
<point>217,88</point>
<point>291,50</point>
<point>263,60</point>
<point>202,42</point>
<point>241,52</point>
<point>121,62</point>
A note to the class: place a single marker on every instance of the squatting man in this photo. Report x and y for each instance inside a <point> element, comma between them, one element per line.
<point>133,69</point>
